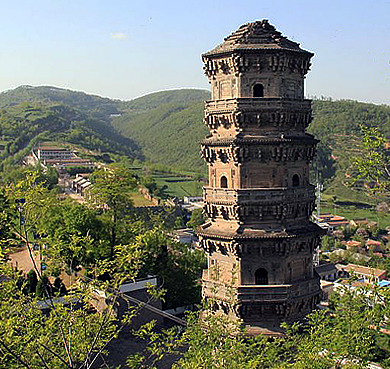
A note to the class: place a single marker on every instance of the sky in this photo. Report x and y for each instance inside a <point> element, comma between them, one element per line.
<point>127,48</point>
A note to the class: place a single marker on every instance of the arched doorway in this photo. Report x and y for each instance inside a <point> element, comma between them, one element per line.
<point>258,90</point>
<point>224,183</point>
<point>295,180</point>
<point>261,276</point>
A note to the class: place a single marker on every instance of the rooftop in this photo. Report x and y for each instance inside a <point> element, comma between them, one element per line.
<point>352,243</point>
<point>370,242</point>
<point>358,269</point>
<point>254,36</point>
<point>324,268</point>
<point>52,148</point>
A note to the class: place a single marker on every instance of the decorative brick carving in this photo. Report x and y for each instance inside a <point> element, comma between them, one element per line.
<point>259,225</point>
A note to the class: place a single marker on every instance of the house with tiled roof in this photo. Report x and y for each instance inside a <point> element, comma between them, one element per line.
<point>367,274</point>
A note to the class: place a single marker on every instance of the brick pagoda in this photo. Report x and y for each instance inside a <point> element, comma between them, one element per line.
<point>258,237</point>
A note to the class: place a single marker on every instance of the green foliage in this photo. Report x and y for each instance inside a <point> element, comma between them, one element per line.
<point>102,107</point>
<point>59,288</point>
<point>327,243</point>
<point>32,282</point>
<point>24,124</point>
<point>69,334</point>
<point>168,130</point>
<point>76,234</point>
<point>156,99</point>
<point>197,219</point>
<point>159,255</point>
<point>347,337</point>
<point>72,171</point>
<point>338,125</point>
<point>373,166</point>
<point>112,190</point>
<point>64,337</point>
<point>6,220</point>
<point>44,288</point>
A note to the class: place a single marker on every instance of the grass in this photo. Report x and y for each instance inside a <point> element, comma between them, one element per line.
<point>139,200</point>
<point>353,212</point>
<point>179,186</point>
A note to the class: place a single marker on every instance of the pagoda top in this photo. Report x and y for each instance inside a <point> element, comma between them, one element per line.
<point>258,35</point>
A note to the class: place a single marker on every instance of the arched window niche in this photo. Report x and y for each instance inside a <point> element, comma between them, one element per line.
<point>223,182</point>
<point>261,276</point>
<point>258,90</point>
<point>295,180</point>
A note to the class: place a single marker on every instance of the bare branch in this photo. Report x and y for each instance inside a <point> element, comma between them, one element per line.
<point>56,355</point>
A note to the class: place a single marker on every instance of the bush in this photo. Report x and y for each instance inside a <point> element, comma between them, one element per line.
<point>59,287</point>
<point>44,288</point>
<point>31,283</point>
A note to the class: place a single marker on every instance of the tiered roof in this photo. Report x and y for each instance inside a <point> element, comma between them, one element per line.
<point>254,36</point>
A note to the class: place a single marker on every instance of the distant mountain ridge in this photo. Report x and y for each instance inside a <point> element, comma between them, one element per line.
<point>97,106</point>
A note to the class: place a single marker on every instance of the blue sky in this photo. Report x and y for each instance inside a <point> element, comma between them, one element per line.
<point>123,49</point>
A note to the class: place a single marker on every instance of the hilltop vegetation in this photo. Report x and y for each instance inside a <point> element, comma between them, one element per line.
<point>168,134</point>
<point>29,115</point>
<point>168,126</point>
<point>96,106</point>
<point>156,99</point>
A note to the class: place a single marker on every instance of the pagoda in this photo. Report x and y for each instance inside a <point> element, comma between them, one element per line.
<point>258,236</point>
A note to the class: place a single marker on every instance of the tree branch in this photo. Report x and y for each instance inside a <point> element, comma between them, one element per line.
<point>14,355</point>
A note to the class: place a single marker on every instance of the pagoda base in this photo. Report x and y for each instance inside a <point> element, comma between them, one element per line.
<point>261,309</point>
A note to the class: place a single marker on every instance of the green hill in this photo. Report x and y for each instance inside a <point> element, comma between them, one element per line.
<point>337,124</point>
<point>165,127</point>
<point>96,106</point>
<point>168,126</point>
<point>183,96</point>
<point>30,114</point>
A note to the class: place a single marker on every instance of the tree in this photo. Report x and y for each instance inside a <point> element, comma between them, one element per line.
<point>74,232</point>
<point>5,224</point>
<point>373,164</point>
<point>327,243</point>
<point>197,219</point>
<point>44,288</point>
<point>345,338</point>
<point>159,255</point>
<point>59,287</point>
<point>69,335</point>
<point>111,191</point>
<point>32,281</point>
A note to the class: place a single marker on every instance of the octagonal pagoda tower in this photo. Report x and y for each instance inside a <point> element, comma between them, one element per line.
<point>258,237</point>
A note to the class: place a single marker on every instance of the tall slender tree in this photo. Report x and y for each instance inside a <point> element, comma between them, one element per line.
<point>112,191</point>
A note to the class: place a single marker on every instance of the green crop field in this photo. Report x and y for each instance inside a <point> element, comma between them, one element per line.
<point>355,212</point>
<point>179,186</point>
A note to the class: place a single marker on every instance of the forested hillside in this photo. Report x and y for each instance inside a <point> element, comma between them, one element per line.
<point>166,127</point>
<point>169,130</point>
<point>337,124</point>
<point>32,114</point>
<point>154,100</point>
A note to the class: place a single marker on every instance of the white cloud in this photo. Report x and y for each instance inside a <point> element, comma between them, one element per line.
<point>118,36</point>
